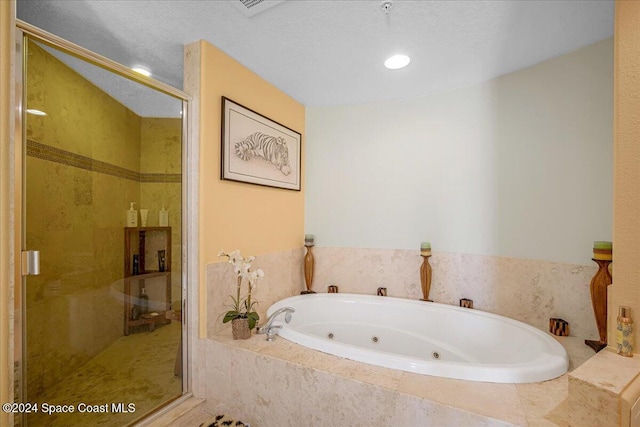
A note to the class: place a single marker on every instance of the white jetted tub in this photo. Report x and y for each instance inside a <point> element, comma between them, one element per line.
<point>423,337</point>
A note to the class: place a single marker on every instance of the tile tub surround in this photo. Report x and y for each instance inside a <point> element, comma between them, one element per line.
<point>531,291</point>
<point>283,278</point>
<point>284,384</point>
<point>597,390</point>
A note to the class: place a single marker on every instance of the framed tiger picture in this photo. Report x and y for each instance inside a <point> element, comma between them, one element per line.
<point>257,150</point>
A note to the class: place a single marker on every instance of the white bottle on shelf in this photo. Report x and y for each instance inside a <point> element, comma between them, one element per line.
<point>132,216</point>
<point>163,217</point>
<point>143,217</point>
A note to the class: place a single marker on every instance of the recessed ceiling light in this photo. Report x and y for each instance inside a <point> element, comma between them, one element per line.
<point>141,70</point>
<point>36,112</point>
<point>397,61</point>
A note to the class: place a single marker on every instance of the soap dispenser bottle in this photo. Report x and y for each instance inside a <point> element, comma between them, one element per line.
<point>163,218</point>
<point>132,216</point>
<point>624,332</point>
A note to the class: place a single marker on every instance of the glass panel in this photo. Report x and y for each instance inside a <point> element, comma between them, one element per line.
<point>103,334</point>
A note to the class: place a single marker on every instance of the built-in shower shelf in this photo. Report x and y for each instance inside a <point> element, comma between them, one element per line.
<point>146,244</point>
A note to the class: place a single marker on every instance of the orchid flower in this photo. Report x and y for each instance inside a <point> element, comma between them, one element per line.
<point>242,268</point>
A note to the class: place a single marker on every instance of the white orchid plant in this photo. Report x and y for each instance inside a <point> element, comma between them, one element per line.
<point>243,308</point>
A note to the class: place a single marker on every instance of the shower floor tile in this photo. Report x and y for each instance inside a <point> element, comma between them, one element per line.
<point>137,369</point>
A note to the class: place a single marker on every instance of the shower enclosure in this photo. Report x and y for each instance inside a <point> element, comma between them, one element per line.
<point>102,339</point>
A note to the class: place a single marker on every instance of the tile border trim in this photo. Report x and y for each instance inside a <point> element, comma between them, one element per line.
<point>57,155</point>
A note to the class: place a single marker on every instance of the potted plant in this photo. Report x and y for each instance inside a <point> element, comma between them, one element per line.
<point>242,315</point>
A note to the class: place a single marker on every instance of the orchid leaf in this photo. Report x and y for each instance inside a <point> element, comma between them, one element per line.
<point>253,319</point>
<point>252,322</point>
<point>230,315</point>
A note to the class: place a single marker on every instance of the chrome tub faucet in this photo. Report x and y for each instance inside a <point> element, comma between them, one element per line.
<point>269,328</point>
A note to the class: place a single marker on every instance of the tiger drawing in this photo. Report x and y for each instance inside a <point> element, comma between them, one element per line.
<point>269,148</point>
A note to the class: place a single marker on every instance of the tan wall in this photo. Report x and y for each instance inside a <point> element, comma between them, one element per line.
<point>7,56</point>
<point>254,219</point>
<point>625,289</point>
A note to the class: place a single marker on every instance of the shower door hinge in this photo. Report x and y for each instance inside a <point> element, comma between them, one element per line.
<point>30,263</point>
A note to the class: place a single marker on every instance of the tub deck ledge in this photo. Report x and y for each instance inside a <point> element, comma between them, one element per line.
<point>304,384</point>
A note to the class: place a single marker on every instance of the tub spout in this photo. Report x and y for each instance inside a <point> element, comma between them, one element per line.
<point>269,328</point>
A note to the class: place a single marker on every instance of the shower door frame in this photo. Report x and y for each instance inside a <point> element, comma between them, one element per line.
<point>25,30</point>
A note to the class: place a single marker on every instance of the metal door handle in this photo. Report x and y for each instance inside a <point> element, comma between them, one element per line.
<point>30,263</point>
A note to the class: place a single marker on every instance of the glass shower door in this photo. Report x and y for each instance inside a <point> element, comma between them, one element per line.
<point>103,317</point>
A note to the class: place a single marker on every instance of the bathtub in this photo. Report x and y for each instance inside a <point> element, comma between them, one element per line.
<point>422,337</point>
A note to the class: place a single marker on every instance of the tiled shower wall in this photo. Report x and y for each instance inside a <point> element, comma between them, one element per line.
<point>81,172</point>
<point>84,166</point>
<point>161,183</point>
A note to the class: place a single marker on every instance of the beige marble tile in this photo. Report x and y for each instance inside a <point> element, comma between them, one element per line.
<point>267,401</point>
<point>291,352</point>
<point>546,423</point>
<point>531,291</point>
<point>283,278</point>
<point>377,375</point>
<point>198,363</point>
<point>559,416</point>
<point>363,271</point>
<point>545,402</point>
<point>416,397</point>
<point>256,343</point>
<point>577,350</point>
<point>192,412</point>
<point>590,406</point>
<point>414,411</point>
<point>336,401</point>
<point>608,371</point>
<point>596,387</point>
<point>570,289</point>
<point>292,394</point>
<point>498,401</point>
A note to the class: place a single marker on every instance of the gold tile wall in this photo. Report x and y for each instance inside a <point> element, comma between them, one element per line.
<point>160,171</point>
<point>83,168</point>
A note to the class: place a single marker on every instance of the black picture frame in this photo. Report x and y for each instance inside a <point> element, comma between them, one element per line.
<point>258,150</point>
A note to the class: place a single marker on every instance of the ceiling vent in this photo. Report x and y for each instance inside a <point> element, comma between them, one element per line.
<point>250,8</point>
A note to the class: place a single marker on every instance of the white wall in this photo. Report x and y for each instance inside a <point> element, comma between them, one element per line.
<point>518,166</point>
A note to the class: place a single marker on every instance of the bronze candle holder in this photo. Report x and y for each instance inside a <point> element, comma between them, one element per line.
<point>308,270</point>
<point>599,284</point>
<point>425,277</point>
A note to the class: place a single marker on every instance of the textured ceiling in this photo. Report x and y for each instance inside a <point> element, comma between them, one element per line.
<point>332,52</point>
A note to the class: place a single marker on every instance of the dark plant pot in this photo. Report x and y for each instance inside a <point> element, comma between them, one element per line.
<point>240,329</point>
